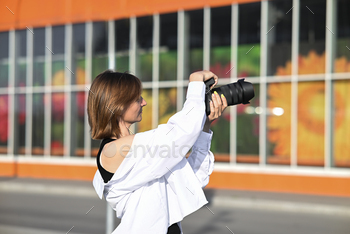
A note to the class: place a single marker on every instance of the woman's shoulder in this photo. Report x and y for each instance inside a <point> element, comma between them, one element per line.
<point>114,152</point>
<point>120,146</point>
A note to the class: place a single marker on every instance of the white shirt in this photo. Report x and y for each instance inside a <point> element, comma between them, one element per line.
<point>156,185</point>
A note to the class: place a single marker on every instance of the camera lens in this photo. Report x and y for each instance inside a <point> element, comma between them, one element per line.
<point>235,93</point>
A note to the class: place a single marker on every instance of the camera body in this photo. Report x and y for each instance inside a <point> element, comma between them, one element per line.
<point>235,93</point>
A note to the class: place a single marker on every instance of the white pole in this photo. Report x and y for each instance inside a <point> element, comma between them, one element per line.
<point>109,219</point>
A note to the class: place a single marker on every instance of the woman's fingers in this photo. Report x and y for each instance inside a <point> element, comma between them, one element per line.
<point>217,106</point>
<point>224,102</point>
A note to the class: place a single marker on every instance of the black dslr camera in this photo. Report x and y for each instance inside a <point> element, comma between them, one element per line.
<point>235,93</point>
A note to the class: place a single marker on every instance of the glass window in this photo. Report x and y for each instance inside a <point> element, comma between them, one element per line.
<point>21,46</point>
<point>122,44</point>
<point>100,48</point>
<point>278,123</point>
<point>194,31</point>
<point>20,122</point>
<point>144,45</point>
<point>57,123</point>
<point>78,116</point>
<point>39,101</point>
<point>58,67</point>
<point>341,123</point>
<point>79,54</point>
<point>248,51</point>
<point>78,98</point>
<point>279,94</point>
<point>220,41</point>
<point>168,47</point>
<point>342,41</point>
<point>4,56</point>
<point>4,73</point>
<point>3,119</point>
<point>279,36</point>
<point>311,118</point>
<point>57,101</point>
<point>220,64</point>
<point>248,64</point>
<point>312,36</point>
<point>167,104</point>
<point>4,45</point>
<point>221,142</point>
<point>248,129</point>
<point>39,57</point>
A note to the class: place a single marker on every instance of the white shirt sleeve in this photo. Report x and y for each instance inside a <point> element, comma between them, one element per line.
<point>173,139</point>
<point>201,158</point>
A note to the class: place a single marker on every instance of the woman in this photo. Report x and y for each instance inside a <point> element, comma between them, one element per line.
<point>145,177</point>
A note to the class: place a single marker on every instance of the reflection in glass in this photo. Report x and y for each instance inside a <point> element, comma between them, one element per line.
<point>311,118</point>
<point>248,129</point>
<point>38,73</point>
<point>58,73</point>
<point>146,123</point>
<point>21,73</point>
<point>312,36</point>
<point>220,144</point>
<point>168,47</point>
<point>95,145</point>
<point>220,40</point>
<point>21,46</point>
<point>144,48</point>
<point>39,57</point>
<point>167,104</point>
<point>4,120</point>
<point>4,45</point>
<point>4,73</point>
<point>122,44</point>
<point>79,54</point>
<point>248,51</point>
<point>57,124</point>
<point>341,123</point>
<point>20,122</point>
<point>58,76</point>
<point>38,123</point>
<point>100,48</point>
<point>195,30</point>
<point>279,123</point>
<point>279,37</point>
<point>78,115</point>
<point>342,61</point>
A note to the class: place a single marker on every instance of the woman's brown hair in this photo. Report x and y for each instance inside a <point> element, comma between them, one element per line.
<point>111,94</point>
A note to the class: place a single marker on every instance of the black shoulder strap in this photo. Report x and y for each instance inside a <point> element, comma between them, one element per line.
<point>106,175</point>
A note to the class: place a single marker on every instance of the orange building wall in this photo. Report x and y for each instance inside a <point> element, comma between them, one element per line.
<point>318,185</point>
<point>18,14</point>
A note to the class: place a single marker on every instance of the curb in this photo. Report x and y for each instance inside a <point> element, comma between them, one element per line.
<point>219,200</point>
<point>285,206</point>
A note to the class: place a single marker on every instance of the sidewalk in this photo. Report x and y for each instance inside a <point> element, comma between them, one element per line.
<point>219,197</point>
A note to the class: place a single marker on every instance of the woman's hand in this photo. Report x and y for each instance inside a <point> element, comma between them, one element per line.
<point>204,76</point>
<point>217,106</point>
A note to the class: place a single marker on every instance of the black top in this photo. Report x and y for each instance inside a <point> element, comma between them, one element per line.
<point>106,175</point>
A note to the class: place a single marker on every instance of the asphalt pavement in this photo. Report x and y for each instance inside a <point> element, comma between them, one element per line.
<point>60,206</point>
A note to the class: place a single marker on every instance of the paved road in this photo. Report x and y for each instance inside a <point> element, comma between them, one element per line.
<point>39,212</point>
